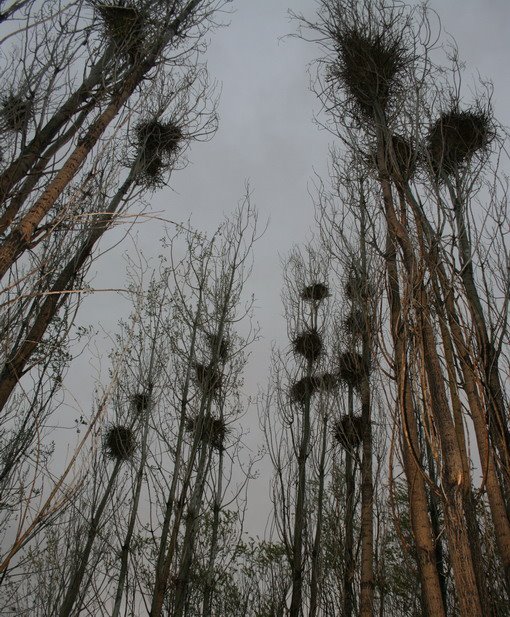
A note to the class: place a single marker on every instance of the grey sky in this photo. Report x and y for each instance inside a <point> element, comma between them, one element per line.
<point>267,135</point>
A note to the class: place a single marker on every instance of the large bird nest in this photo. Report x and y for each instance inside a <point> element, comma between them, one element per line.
<point>157,143</point>
<point>16,112</point>
<point>303,389</point>
<point>456,136</point>
<point>123,24</point>
<point>308,344</point>
<point>357,288</point>
<point>214,430</point>
<point>348,431</point>
<point>351,369</point>
<point>158,138</point>
<point>355,323</point>
<point>208,378</point>
<point>368,66</point>
<point>119,442</point>
<point>152,173</point>
<point>315,292</point>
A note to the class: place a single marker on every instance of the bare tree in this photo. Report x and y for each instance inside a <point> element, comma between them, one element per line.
<point>103,99</point>
<point>422,151</point>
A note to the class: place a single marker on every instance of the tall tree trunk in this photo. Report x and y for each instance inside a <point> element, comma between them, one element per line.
<point>498,415</point>
<point>213,550</point>
<point>445,305</point>
<point>350,488</point>
<point>316,550</point>
<point>191,527</point>
<point>296,605</point>
<point>126,546</point>
<point>74,586</point>
<point>418,505</point>
<point>367,487</point>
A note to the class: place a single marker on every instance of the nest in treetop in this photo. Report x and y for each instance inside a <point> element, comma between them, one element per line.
<point>315,292</point>
<point>16,112</point>
<point>368,65</point>
<point>156,138</point>
<point>303,389</point>
<point>357,287</point>
<point>351,369</point>
<point>141,401</point>
<point>157,142</point>
<point>327,382</point>
<point>152,174</point>
<point>213,430</point>
<point>208,377</point>
<point>119,443</point>
<point>355,323</point>
<point>456,136</point>
<point>348,431</point>
<point>308,344</point>
<point>124,24</point>
<point>219,346</point>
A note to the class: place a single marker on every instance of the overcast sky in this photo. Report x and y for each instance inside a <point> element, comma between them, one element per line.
<point>267,135</point>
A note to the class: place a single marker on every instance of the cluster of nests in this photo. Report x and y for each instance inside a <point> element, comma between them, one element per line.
<point>213,429</point>
<point>452,140</point>
<point>209,376</point>
<point>350,371</point>
<point>157,143</point>
<point>119,441</point>
<point>309,343</point>
<point>369,66</point>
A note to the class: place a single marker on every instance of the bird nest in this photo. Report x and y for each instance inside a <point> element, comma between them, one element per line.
<point>156,144</point>
<point>315,292</point>
<point>368,66</point>
<point>355,323</point>
<point>219,345</point>
<point>208,378</point>
<point>141,401</point>
<point>348,431</point>
<point>308,344</point>
<point>119,443</point>
<point>214,430</point>
<point>351,369</point>
<point>303,389</point>
<point>357,287</point>
<point>16,112</point>
<point>152,173</point>
<point>124,25</point>
<point>158,138</point>
<point>456,136</point>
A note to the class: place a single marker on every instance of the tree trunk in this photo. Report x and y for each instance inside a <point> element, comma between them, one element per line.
<point>74,586</point>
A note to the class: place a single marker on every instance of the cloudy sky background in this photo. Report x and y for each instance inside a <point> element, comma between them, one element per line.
<point>267,136</point>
